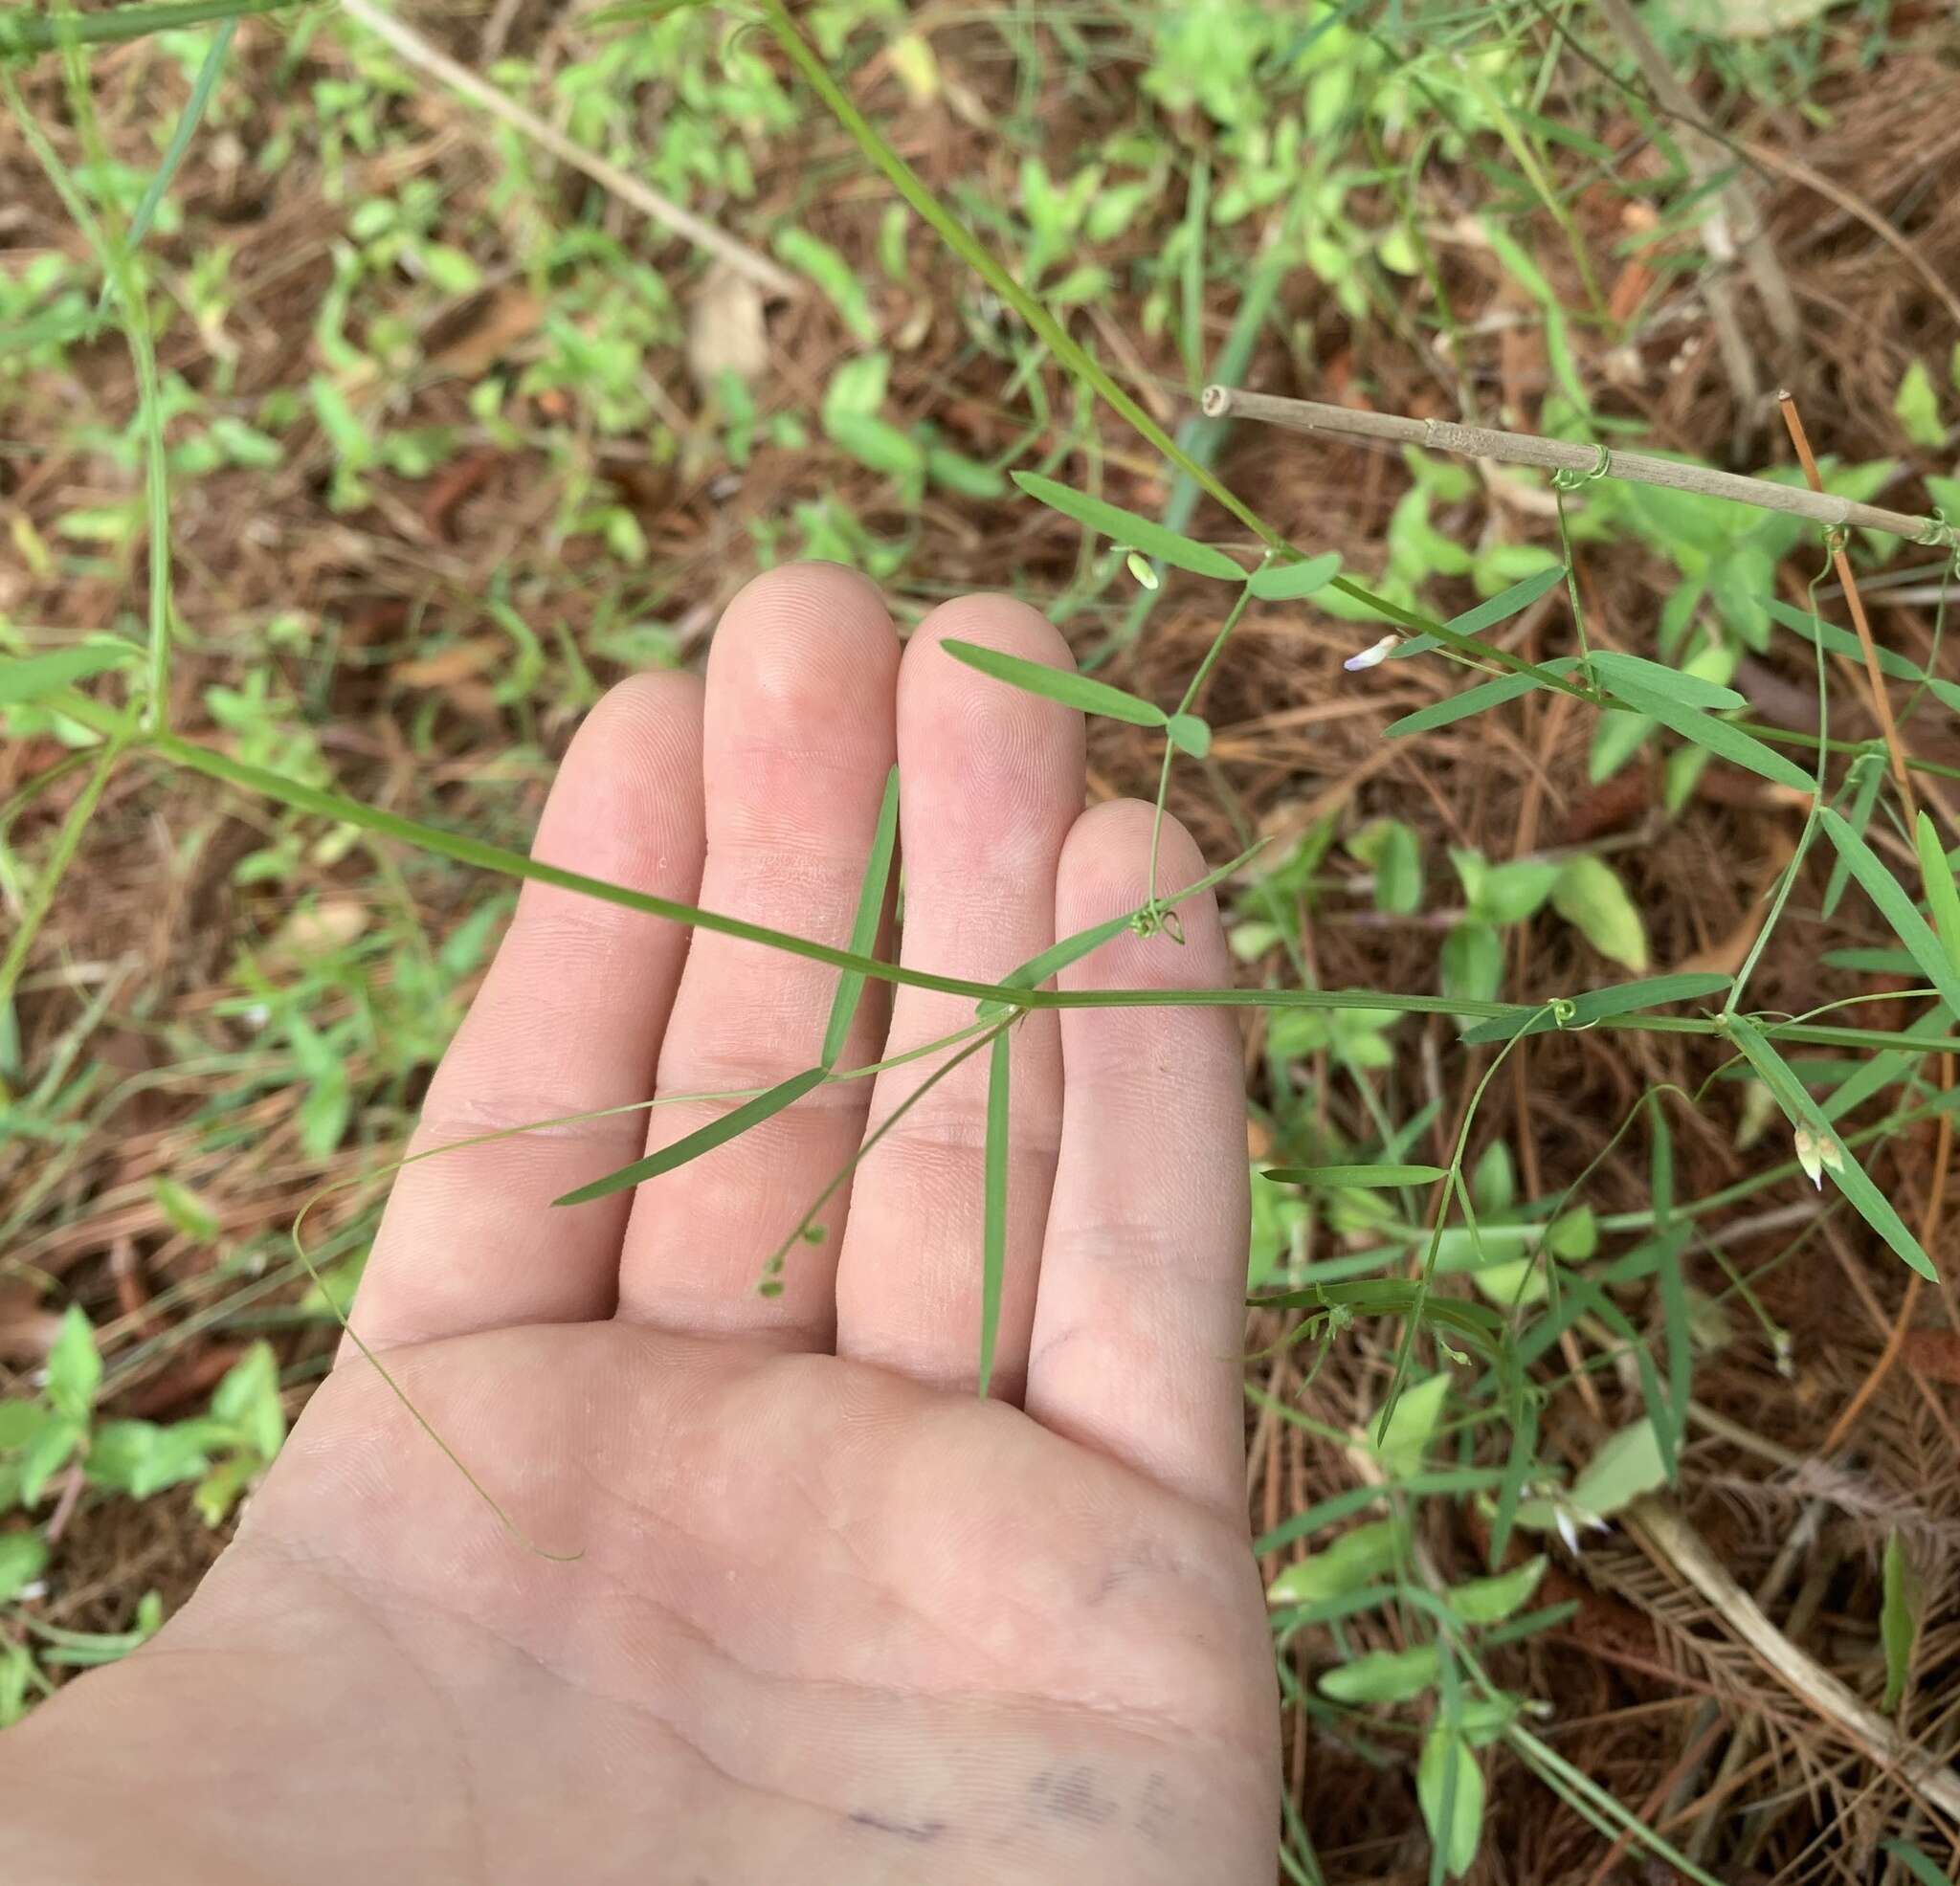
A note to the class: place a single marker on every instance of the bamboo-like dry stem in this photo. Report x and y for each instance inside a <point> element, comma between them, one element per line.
<point>1307,416</point>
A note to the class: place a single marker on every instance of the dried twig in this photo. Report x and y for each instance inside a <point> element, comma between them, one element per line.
<point>1307,416</point>
<point>1673,1541</point>
<point>410,45</point>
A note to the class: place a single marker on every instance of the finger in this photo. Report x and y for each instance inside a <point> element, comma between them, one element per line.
<point>990,779</point>
<point>1139,1328</point>
<point>797,748</point>
<point>569,1020</point>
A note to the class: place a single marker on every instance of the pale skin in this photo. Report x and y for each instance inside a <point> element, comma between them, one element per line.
<point>835,1619</point>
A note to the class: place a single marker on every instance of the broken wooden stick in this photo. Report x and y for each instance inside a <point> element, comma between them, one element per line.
<point>1307,416</point>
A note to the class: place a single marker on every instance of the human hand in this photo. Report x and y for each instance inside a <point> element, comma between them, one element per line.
<point>835,1617</point>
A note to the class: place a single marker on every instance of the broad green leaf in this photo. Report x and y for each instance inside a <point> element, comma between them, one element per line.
<point>1070,689</point>
<point>1573,1236</point>
<point>1917,408</point>
<point>1286,583</point>
<point>1058,957</point>
<point>1376,1176</point>
<point>1475,700</point>
<point>141,1458</point>
<point>1400,1446</point>
<point>47,1451</point>
<point>20,1420</point>
<point>1125,527</point>
<point>871,898</point>
<point>75,1365</point>
<point>994,1192</point>
<point>1353,1560</point>
<point>1492,1600</point>
<point>1514,1284</point>
<point>1190,734</point>
<point>1449,1789</point>
<point>248,1401</point>
<point>1718,737</point>
<point>1493,1179</point>
<point>1590,896</point>
<point>1510,893</point>
<point>1625,1467</point>
<point>29,678</point>
<point>1936,874</point>
<point>1899,1621</point>
<point>877,444</point>
<point>1394,852</point>
<point>1896,908</point>
<point>828,268</point>
<point>184,1208</point>
<point>1599,1003</point>
<point>1499,608</point>
<point>1617,738</point>
<point>1679,684</point>
<point>23,1556</point>
<point>1382,1677</point>
<point>1473,963</point>
<point>704,1139</point>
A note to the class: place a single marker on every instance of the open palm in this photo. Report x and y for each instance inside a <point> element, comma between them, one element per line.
<point>834,1618</point>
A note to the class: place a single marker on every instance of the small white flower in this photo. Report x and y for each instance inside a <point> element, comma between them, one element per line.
<point>1369,657</point>
<point>1815,1152</point>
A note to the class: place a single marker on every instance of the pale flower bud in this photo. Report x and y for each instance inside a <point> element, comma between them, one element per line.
<point>1370,658</point>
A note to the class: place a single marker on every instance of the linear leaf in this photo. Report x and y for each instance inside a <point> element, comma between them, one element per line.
<point>994,1233</point>
<point>1598,1003</point>
<point>1919,1865</point>
<point>1842,641</point>
<point>1690,689</point>
<point>1853,1181</point>
<point>878,871</point>
<point>1899,1621</point>
<point>1869,772</point>
<point>186,129</point>
<point>1288,582</point>
<point>1356,1175</point>
<point>1518,1468</point>
<point>1499,608</point>
<point>1139,533</point>
<point>1718,737</point>
<point>1475,700</point>
<point>1062,684</point>
<point>1936,874</point>
<point>702,1139</point>
<point>1897,909</point>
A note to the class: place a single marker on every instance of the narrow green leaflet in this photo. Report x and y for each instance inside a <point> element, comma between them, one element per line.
<point>878,871</point>
<point>1853,1181</point>
<point>1072,690</point>
<point>704,1139</point>
<point>1058,957</point>
<point>1896,908</point>
<point>1866,774</point>
<point>1899,1621</point>
<point>1288,582</point>
<point>1476,700</point>
<point>1126,527</point>
<point>1921,1867</point>
<point>1344,1505</point>
<point>1519,1465</point>
<point>1942,899</point>
<point>31,677</point>
<point>993,1234</point>
<point>186,129</point>
<point>1718,737</point>
<point>1597,1005</point>
<point>1842,641</point>
<point>1689,689</point>
<point>1356,1175</point>
<point>1499,608</point>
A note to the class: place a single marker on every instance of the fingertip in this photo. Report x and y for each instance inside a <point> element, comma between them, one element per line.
<point>1106,869</point>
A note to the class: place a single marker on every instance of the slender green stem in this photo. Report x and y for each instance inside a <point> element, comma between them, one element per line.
<point>26,30</point>
<point>67,842</point>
